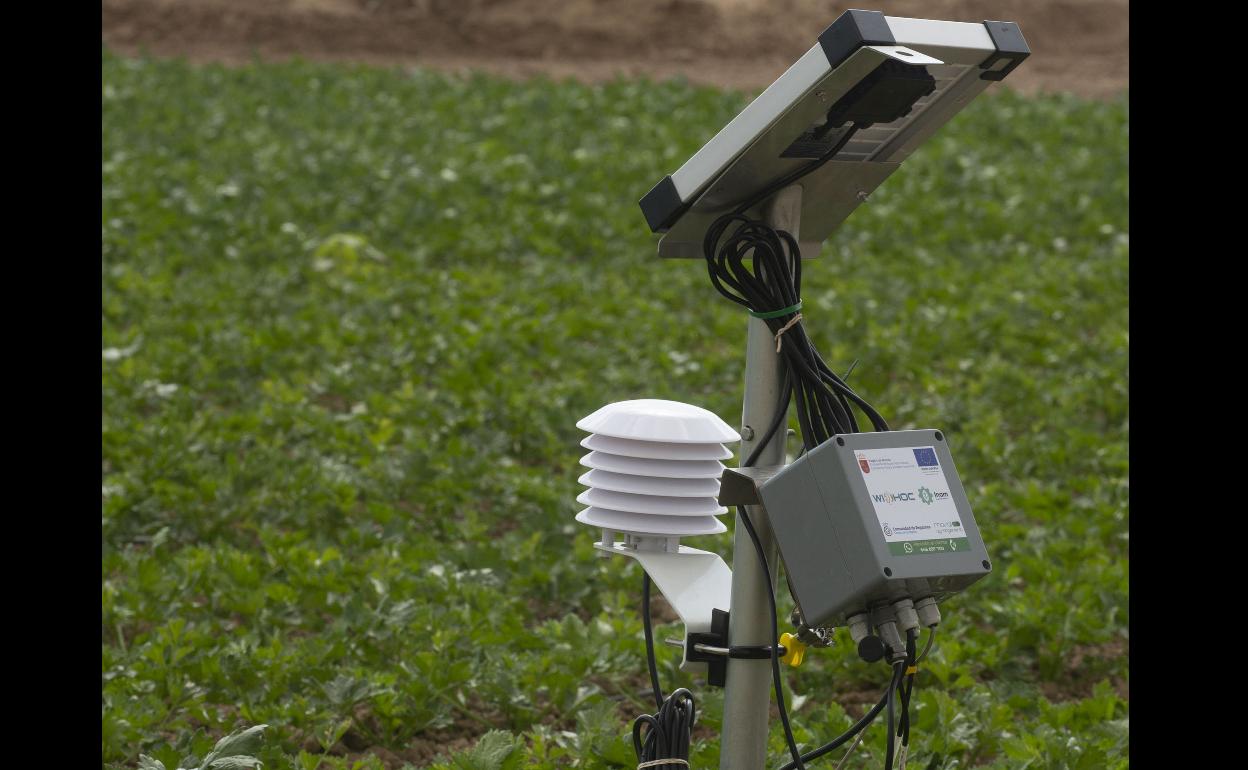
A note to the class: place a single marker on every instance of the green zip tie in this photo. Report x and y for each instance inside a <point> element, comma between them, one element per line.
<point>777,313</point>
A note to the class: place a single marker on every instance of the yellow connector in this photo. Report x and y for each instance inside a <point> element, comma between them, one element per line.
<point>794,650</point>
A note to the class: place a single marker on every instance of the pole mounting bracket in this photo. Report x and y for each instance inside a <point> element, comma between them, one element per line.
<point>695,582</point>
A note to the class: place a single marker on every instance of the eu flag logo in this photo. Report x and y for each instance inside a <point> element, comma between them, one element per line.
<point>926,457</point>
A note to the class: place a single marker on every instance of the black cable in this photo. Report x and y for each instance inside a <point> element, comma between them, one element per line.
<point>744,518</point>
<point>856,728</point>
<point>645,624</point>
<point>898,668</point>
<point>905,690</point>
<point>669,733</point>
<point>799,759</point>
<point>776,422</point>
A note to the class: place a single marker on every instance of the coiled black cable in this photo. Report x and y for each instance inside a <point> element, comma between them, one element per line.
<point>824,401</point>
<point>668,735</point>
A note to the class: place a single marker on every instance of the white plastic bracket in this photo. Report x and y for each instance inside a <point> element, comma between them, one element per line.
<point>693,581</point>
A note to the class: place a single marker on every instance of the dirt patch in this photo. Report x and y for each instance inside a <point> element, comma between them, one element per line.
<point>1080,46</point>
<point>1078,679</point>
<point>358,742</point>
<point>422,750</point>
<point>662,611</point>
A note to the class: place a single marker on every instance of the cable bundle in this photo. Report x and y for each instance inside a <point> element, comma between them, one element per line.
<point>668,735</point>
<point>771,290</point>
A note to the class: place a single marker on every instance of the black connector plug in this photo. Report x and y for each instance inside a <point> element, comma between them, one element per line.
<point>871,648</point>
<point>888,93</point>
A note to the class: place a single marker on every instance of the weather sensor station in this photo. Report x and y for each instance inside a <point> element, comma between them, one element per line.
<point>873,527</point>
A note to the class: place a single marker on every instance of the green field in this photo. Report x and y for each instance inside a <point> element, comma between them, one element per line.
<point>351,316</point>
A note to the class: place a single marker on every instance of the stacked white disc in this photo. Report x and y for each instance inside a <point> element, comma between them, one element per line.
<point>654,469</point>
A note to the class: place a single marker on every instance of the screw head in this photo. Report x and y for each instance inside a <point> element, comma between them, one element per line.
<point>747,433</point>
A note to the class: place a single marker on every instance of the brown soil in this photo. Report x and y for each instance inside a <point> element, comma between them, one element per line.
<point>1079,46</point>
<point>1077,680</point>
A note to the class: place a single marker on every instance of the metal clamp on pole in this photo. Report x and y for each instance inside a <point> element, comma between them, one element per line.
<point>712,648</point>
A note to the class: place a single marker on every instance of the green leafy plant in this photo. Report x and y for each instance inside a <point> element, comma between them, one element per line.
<point>350,316</point>
<point>233,752</point>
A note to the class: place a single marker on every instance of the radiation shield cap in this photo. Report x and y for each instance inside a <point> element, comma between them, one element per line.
<point>652,419</point>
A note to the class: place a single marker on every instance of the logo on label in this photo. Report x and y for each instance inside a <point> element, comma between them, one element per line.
<point>926,495</point>
<point>862,463</point>
<point>894,497</point>
<point>907,548</point>
<point>925,457</point>
<point>953,545</point>
<point>888,530</point>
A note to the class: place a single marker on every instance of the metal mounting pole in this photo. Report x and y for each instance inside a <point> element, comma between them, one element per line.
<point>747,692</point>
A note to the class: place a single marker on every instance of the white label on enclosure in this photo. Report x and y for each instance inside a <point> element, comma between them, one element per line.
<point>910,494</point>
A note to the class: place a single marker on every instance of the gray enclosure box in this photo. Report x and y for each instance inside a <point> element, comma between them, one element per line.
<point>870,518</point>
